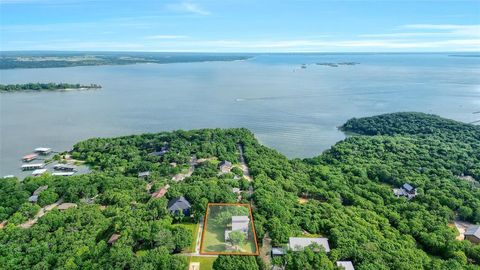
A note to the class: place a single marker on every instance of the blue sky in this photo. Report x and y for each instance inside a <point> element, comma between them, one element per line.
<point>240,25</point>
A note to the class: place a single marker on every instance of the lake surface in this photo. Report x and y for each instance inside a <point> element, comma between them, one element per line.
<point>291,109</point>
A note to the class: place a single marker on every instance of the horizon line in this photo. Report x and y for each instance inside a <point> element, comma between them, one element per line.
<point>227,52</point>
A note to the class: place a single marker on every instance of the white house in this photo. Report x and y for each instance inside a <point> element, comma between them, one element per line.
<point>299,243</point>
<point>239,223</point>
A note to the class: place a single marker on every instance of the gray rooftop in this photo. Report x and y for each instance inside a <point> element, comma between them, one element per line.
<point>178,204</point>
<point>144,174</point>
<point>278,251</point>
<point>299,243</point>
<point>407,187</point>
<point>240,218</point>
<point>347,265</point>
<point>225,163</point>
<point>473,230</point>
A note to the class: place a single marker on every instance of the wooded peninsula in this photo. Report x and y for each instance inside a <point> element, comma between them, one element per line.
<point>123,217</point>
<point>46,87</point>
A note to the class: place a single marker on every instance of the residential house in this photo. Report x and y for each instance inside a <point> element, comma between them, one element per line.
<point>277,251</point>
<point>162,151</point>
<point>299,243</point>
<point>225,166</point>
<point>472,234</point>
<point>240,224</point>
<point>179,205</point>
<point>144,175</point>
<point>406,190</point>
<point>347,265</point>
<point>161,192</point>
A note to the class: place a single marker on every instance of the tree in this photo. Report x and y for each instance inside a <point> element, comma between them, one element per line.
<point>182,238</point>
<point>237,238</point>
<point>227,262</point>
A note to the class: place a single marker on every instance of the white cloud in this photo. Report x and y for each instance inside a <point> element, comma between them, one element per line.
<point>453,29</point>
<point>189,7</point>
<point>294,45</point>
<point>431,31</point>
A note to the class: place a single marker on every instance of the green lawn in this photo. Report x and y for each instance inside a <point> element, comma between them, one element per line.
<point>214,238</point>
<point>193,227</point>
<point>206,263</point>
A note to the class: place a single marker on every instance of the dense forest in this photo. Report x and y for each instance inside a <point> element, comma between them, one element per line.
<point>44,87</point>
<point>344,194</point>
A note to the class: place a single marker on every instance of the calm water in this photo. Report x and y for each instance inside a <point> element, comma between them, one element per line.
<point>293,110</point>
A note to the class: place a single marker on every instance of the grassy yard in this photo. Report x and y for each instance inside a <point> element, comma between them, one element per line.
<point>193,227</point>
<point>214,238</point>
<point>206,263</point>
<point>214,241</point>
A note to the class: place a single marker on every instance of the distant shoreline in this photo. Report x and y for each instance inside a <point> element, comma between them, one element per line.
<point>52,60</point>
<point>46,87</point>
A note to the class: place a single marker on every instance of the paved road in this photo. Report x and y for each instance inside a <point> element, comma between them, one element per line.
<point>29,223</point>
<point>243,164</point>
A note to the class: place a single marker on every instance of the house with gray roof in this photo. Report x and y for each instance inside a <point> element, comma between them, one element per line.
<point>240,224</point>
<point>225,166</point>
<point>347,265</point>
<point>179,205</point>
<point>299,243</point>
<point>406,190</point>
<point>277,251</point>
<point>472,234</point>
<point>144,174</point>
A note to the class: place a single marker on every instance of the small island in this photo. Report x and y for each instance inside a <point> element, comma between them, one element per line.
<point>329,64</point>
<point>46,87</point>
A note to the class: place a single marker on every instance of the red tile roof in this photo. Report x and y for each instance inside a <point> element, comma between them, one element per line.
<point>159,193</point>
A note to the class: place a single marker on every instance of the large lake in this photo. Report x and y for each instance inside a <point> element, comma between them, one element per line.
<point>291,109</point>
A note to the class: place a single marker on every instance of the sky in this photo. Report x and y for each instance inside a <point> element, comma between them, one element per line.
<point>240,25</point>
